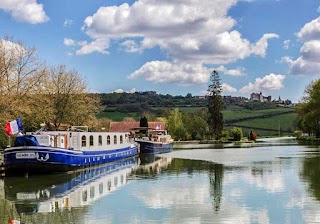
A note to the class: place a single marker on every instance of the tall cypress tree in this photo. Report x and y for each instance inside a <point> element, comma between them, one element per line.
<point>215,105</point>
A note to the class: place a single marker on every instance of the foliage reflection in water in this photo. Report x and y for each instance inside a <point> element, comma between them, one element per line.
<point>267,184</point>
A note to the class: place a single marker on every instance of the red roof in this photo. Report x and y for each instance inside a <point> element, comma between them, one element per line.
<point>125,126</point>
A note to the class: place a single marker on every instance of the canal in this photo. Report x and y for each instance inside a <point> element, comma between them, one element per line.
<point>272,181</point>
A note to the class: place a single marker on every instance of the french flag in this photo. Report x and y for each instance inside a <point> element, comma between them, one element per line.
<point>13,127</point>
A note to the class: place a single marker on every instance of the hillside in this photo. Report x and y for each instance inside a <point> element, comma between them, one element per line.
<point>267,119</point>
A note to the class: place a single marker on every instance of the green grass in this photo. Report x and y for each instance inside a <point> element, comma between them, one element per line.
<point>285,122</point>
<point>118,116</point>
<point>235,112</point>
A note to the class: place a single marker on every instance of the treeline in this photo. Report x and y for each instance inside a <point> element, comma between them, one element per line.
<point>152,102</point>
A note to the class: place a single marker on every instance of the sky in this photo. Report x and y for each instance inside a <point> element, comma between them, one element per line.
<point>171,47</point>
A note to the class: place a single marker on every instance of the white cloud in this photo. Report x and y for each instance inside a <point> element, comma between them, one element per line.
<point>122,91</point>
<point>166,72</point>
<point>25,10</point>
<point>67,23</point>
<point>118,91</point>
<point>193,31</point>
<point>268,82</point>
<point>130,46</point>
<point>69,42</point>
<point>286,44</point>
<point>308,63</point>
<point>234,72</point>
<point>99,45</point>
<point>11,49</point>
<point>261,46</point>
<point>227,88</point>
<point>310,31</point>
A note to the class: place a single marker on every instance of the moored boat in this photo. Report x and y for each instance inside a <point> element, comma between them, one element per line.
<point>59,151</point>
<point>152,140</point>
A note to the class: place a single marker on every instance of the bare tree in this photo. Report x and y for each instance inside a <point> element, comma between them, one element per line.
<point>20,72</point>
<point>68,101</point>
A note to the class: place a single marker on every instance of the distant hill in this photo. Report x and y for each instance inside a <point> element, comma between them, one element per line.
<point>145,101</point>
<point>266,118</point>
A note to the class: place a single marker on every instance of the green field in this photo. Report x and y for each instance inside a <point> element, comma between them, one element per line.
<point>235,112</point>
<point>118,116</point>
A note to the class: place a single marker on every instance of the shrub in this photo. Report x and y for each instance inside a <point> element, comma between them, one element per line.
<point>224,135</point>
<point>236,133</point>
<point>252,136</point>
<point>297,133</point>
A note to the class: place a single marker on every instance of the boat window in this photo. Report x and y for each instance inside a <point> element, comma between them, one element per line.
<point>121,139</point>
<point>101,188</point>
<point>108,140</point>
<point>84,196</point>
<point>109,185</point>
<point>91,140</point>
<point>92,192</point>
<point>115,139</point>
<point>100,140</point>
<point>83,141</point>
<point>115,181</point>
<point>121,179</point>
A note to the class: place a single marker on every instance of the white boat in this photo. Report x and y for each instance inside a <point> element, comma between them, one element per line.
<point>56,151</point>
<point>152,141</point>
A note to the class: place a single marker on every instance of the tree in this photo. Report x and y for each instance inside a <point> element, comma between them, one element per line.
<point>144,122</point>
<point>195,125</point>
<point>20,72</point>
<point>175,125</point>
<point>215,105</point>
<point>236,133</point>
<point>252,136</point>
<point>309,110</point>
<point>67,100</point>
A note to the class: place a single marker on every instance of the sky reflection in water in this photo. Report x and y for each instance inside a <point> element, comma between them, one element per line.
<point>271,183</point>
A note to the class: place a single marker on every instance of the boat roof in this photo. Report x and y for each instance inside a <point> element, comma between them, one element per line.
<point>147,129</point>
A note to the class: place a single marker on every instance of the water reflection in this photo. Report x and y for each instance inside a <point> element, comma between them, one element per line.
<point>266,184</point>
<point>56,193</point>
<point>150,166</point>
<point>311,174</point>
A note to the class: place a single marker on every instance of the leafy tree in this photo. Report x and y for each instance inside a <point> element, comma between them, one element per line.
<point>224,135</point>
<point>309,110</point>
<point>236,133</point>
<point>196,126</point>
<point>175,124</point>
<point>215,105</point>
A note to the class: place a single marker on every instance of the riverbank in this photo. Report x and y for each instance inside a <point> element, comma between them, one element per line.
<point>198,142</point>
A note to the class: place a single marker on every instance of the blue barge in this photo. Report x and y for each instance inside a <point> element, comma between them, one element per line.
<point>60,151</point>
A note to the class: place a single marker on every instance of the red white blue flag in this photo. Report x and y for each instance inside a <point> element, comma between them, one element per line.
<point>13,127</point>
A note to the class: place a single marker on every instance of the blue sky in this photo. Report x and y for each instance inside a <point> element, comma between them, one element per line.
<point>272,46</point>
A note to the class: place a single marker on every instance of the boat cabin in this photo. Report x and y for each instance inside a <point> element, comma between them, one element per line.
<point>150,134</point>
<point>82,140</point>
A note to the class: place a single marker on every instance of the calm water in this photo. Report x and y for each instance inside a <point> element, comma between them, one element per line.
<point>269,182</point>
